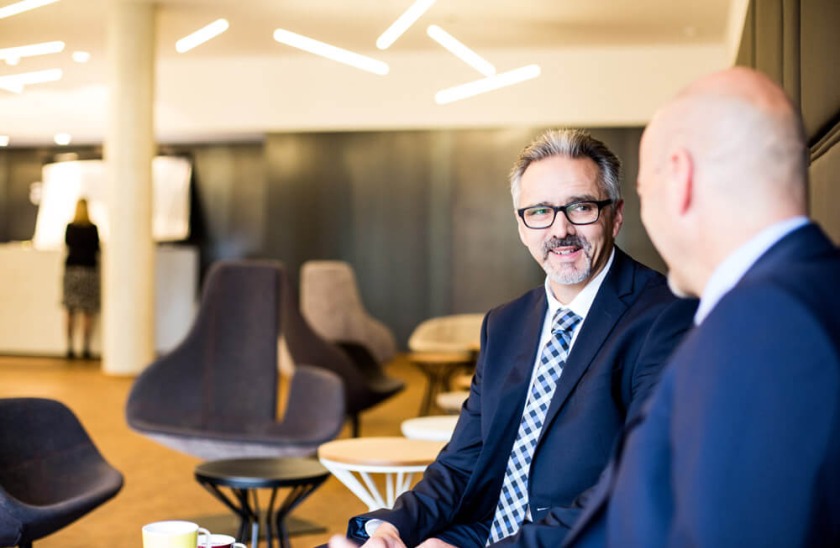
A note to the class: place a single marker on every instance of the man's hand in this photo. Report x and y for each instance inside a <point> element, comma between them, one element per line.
<point>338,541</point>
<point>435,543</point>
<point>385,536</point>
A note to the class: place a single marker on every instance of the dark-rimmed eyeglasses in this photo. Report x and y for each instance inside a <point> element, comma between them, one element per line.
<point>584,212</point>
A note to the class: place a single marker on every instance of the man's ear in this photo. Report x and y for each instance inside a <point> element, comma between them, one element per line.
<point>521,228</point>
<point>618,217</point>
<point>681,175</point>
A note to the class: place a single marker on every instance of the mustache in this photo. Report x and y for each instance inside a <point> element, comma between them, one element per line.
<point>568,241</point>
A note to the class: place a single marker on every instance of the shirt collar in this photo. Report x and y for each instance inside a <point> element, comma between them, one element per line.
<point>732,269</point>
<point>582,302</point>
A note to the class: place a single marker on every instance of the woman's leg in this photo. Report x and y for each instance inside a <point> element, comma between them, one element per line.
<point>71,327</point>
<point>87,331</point>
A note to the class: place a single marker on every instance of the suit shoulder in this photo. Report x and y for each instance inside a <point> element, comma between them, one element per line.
<point>530,301</point>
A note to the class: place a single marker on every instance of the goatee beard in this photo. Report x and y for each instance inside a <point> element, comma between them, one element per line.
<point>568,275</point>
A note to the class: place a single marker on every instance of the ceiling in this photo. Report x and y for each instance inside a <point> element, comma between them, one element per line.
<point>483,25</point>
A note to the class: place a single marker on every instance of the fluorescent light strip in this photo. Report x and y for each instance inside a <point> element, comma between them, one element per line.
<point>44,48</point>
<point>459,50</point>
<point>484,85</point>
<point>24,5</point>
<point>403,22</point>
<point>202,35</point>
<point>15,82</point>
<point>81,56</point>
<point>331,52</point>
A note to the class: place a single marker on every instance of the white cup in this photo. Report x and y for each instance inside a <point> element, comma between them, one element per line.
<point>218,541</point>
<point>172,534</point>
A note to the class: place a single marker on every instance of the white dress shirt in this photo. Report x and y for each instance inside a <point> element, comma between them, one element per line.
<point>580,305</point>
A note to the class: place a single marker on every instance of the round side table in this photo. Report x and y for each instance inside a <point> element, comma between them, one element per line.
<point>438,368</point>
<point>244,476</point>
<point>435,428</point>
<point>395,458</point>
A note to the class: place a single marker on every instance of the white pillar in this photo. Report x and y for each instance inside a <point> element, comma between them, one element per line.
<point>128,258</point>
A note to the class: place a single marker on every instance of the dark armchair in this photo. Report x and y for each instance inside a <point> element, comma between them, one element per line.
<point>216,394</point>
<point>51,473</point>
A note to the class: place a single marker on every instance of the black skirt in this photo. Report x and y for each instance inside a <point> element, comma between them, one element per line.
<point>81,288</point>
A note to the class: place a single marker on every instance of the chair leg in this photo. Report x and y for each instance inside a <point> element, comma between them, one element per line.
<point>355,425</point>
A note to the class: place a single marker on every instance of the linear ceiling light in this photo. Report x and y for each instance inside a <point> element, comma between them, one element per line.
<point>459,50</point>
<point>62,139</point>
<point>202,35</point>
<point>24,5</point>
<point>81,56</point>
<point>484,85</point>
<point>331,52</point>
<point>403,22</point>
<point>12,55</point>
<point>16,82</point>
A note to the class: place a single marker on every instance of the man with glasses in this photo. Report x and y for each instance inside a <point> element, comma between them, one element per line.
<point>561,369</point>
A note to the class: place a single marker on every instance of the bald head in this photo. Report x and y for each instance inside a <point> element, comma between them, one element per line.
<point>718,164</point>
<point>746,140</point>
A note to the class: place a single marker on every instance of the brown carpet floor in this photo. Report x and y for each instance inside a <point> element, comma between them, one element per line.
<point>159,482</point>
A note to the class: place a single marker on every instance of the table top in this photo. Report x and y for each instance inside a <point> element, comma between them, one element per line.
<point>442,358</point>
<point>436,427</point>
<point>381,451</point>
<point>261,472</point>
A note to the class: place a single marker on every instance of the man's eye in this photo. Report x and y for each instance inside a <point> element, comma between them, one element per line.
<point>537,211</point>
<point>580,207</point>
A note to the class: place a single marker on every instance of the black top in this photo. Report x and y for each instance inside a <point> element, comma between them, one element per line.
<point>252,473</point>
<point>82,244</point>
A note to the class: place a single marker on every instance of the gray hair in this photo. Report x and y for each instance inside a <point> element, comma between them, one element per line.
<point>571,143</point>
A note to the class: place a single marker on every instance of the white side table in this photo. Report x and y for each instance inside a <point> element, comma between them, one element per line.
<point>434,428</point>
<point>395,459</point>
<point>451,402</point>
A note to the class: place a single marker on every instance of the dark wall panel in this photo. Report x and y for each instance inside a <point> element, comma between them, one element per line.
<point>389,175</point>
<point>309,202</point>
<point>825,186</point>
<point>769,45</point>
<point>424,217</point>
<point>22,168</point>
<point>231,191</point>
<point>796,43</point>
<point>820,36</point>
<point>489,263</point>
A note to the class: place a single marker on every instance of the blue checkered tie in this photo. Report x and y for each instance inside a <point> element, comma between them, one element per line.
<point>513,500</point>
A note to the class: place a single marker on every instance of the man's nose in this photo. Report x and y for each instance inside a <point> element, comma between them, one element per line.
<point>561,227</point>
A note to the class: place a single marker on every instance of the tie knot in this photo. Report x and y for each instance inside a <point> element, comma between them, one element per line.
<point>564,321</point>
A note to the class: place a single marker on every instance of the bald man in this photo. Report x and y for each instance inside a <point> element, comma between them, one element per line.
<point>740,444</point>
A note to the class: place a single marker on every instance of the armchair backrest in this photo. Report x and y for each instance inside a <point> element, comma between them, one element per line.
<point>225,370</point>
<point>332,304</point>
<point>307,347</point>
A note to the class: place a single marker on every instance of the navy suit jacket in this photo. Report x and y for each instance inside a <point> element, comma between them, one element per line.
<point>633,326</point>
<point>740,444</point>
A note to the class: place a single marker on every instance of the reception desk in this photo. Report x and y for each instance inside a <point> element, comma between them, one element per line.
<point>32,318</point>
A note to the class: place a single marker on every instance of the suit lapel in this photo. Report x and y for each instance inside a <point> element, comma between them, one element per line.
<point>514,389</point>
<point>606,310</point>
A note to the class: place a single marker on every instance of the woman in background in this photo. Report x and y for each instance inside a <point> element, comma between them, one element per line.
<point>81,277</point>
